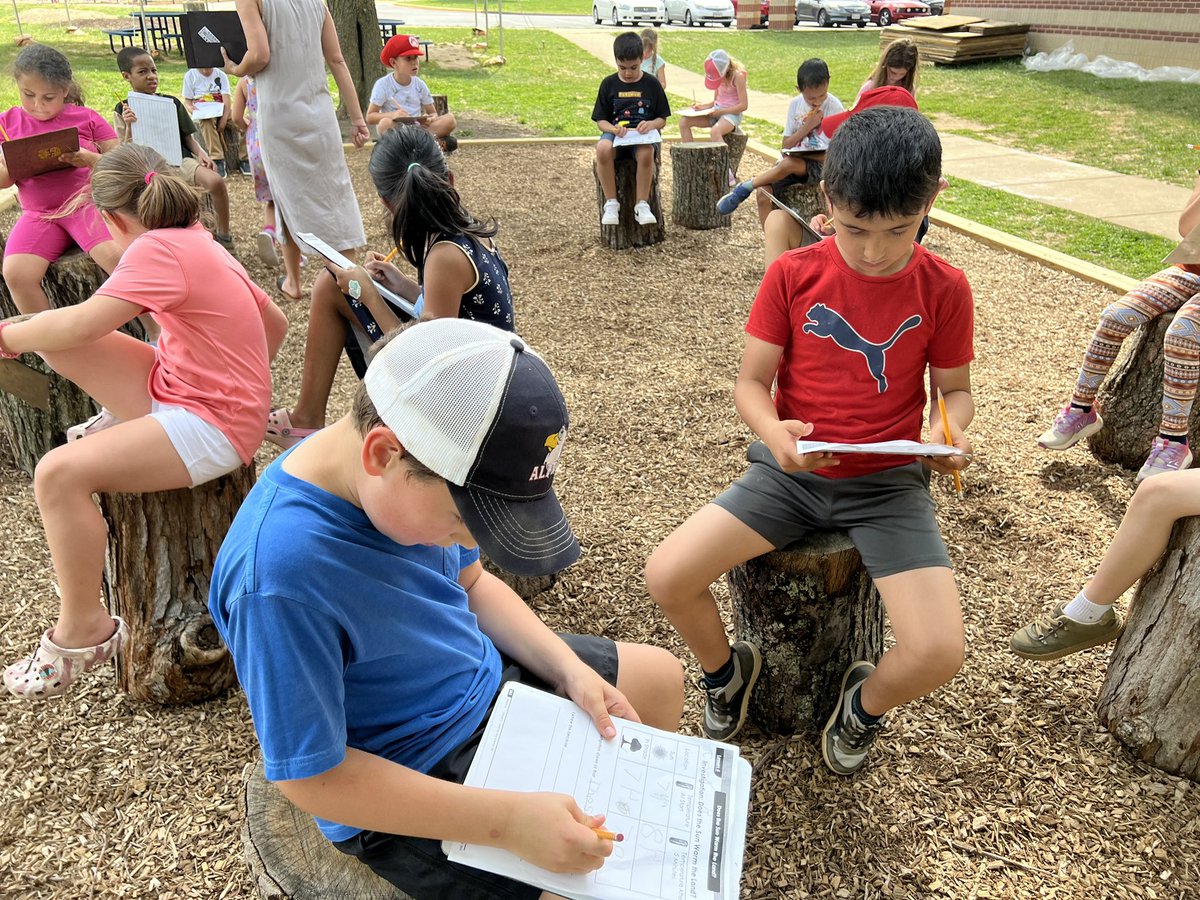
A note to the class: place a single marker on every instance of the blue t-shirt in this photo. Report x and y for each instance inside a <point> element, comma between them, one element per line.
<point>342,637</point>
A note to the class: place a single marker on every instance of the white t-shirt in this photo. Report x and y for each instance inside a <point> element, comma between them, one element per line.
<point>798,108</point>
<point>198,86</point>
<point>391,96</point>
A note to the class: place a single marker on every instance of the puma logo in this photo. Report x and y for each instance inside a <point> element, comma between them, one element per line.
<point>824,322</point>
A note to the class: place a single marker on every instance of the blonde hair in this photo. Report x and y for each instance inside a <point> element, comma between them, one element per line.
<point>901,54</point>
<point>735,66</point>
<point>137,181</point>
<point>649,40</point>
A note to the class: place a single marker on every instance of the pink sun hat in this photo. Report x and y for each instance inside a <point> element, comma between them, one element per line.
<point>715,68</point>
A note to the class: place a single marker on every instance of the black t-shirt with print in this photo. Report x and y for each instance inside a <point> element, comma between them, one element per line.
<point>630,102</point>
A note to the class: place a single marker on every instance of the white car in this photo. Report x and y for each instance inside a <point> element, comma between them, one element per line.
<point>697,12</point>
<point>651,12</point>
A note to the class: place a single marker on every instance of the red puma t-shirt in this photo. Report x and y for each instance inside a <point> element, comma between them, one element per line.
<point>856,347</point>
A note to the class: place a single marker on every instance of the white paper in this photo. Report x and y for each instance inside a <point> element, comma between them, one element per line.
<point>1188,252</point>
<point>339,260</point>
<point>902,448</point>
<point>207,109</point>
<point>681,802</point>
<point>157,125</point>
<point>633,137</point>
<point>696,111</point>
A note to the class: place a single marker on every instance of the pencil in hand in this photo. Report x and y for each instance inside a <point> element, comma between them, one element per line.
<point>949,437</point>
<point>391,255</point>
<point>613,836</point>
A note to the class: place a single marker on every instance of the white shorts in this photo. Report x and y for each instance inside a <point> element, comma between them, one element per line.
<point>204,449</point>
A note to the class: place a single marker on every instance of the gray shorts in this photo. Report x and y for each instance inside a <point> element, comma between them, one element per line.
<point>889,515</point>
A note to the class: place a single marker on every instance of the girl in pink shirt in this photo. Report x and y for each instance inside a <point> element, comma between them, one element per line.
<point>187,411</point>
<point>50,101</point>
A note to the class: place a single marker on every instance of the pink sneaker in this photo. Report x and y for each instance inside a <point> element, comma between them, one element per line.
<point>100,421</point>
<point>1165,456</point>
<point>1070,426</point>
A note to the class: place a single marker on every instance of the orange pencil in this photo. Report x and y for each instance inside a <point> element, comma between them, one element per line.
<point>391,255</point>
<point>958,489</point>
<point>609,835</point>
<point>3,132</point>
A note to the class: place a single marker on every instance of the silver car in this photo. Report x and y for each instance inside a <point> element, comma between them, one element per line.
<point>828,13</point>
<point>697,12</point>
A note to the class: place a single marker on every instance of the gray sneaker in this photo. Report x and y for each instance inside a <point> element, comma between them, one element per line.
<point>846,738</point>
<point>1055,636</point>
<point>725,709</point>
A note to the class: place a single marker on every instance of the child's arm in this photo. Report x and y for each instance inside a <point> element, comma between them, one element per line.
<point>6,180</point>
<point>651,125</point>
<point>1191,213</point>
<point>128,117</point>
<point>448,275</point>
<point>341,76</point>
<point>375,114</point>
<point>239,105</point>
<point>275,324</point>
<point>67,327</point>
<point>199,152</point>
<point>955,385</point>
<point>752,396</point>
<point>807,125</point>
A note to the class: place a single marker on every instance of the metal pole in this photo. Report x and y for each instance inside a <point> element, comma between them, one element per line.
<point>142,22</point>
<point>70,24</point>
<point>476,5</point>
<point>500,23</point>
<point>20,30</point>
<point>487,26</point>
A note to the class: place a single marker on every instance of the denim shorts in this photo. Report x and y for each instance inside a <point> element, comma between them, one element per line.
<point>889,515</point>
<point>417,865</point>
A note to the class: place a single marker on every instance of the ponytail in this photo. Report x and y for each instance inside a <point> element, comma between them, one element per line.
<point>411,175</point>
<point>137,181</point>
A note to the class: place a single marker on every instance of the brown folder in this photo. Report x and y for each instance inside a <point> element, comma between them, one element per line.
<point>26,157</point>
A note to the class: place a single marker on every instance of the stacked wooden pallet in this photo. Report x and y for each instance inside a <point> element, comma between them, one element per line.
<point>959,39</point>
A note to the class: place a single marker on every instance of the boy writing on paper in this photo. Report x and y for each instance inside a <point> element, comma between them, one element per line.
<point>402,95</point>
<point>197,169</point>
<point>211,85</point>
<point>628,100</point>
<point>370,641</point>
<point>846,328</point>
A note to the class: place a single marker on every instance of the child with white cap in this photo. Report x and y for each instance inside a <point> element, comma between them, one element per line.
<point>726,78</point>
<point>371,642</point>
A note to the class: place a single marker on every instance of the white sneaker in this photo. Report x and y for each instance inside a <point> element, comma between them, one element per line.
<point>100,421</point>
<point>612,213</point>
<point>642,213</point>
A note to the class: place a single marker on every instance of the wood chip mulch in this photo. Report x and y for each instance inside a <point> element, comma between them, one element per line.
<point>1000,785</point>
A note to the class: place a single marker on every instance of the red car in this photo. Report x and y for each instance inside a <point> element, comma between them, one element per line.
<point>764,10</point>
<point>885,12</point>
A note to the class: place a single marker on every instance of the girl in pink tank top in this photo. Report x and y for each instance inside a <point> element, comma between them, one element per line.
<point>726,78</point>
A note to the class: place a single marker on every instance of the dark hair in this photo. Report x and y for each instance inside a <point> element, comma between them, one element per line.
<point>127,55</point>
<point>122,181</point>
<point>52,67</point>
<point>411,175</point>
<point>812,73</point>
<point>627,46</point>
<point>884,161</point>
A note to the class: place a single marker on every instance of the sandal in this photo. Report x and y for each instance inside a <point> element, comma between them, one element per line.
<point>280,431</point>
<point>279,286</point>
<point>51,670</point>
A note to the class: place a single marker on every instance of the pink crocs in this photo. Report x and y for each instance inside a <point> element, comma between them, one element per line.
<point>51,669</point>
<point>282,433</point>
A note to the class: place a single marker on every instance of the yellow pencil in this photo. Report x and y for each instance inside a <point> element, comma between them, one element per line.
<point>3,132</point>
<point>949,437</point>
<point>391,255</point>
<point>608,835</point>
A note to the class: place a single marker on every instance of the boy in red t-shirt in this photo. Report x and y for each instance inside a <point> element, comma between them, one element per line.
<point>846,328</point>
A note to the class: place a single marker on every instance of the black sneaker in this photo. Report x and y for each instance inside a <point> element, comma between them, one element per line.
<point>220,164</point>
<point>449,143</point>
<point>725,710</point>
<point>846,738</point>
<point>245,168</point>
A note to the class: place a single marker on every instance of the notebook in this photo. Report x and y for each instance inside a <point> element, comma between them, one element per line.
<point>157,125</point>
<point>29,156</point>
<point>808,234</point>
<point>205,33</point>
<point>341,261</point>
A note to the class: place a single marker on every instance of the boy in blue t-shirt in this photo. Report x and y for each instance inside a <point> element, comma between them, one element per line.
<point>370,641</point>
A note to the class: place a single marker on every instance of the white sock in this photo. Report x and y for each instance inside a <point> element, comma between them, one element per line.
<point>1084,611</point>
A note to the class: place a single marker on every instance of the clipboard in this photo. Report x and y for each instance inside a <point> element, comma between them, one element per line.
<point>1188,251</point>
<point>808,234</point>
<point>205,33</point>
<point>338,259</point>
<point>804,151</point>
<point>39,153</point>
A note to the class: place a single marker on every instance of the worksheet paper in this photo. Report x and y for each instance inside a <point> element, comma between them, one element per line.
<point>207,109</point>
<point>634,137</point>
<point>157,125</point>
<point>681,802</point>
<point>900,448</point>
<point>344,262</point>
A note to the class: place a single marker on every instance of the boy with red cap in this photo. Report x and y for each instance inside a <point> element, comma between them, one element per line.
<point>402,98</point>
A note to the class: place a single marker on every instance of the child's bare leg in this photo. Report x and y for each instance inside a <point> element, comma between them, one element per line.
<point>327,322</point>
<point>780,234</point>
<point>652,680</point>
<point>606,169</point>
<point>291,264</point>
<point>720,128</point>
<point>23,273</point>
<point>208,180</point>
<point>269,216</point>
<point>645,171</point>
<point>926,618</point>
<point>681,570</point>
<point>783,168</point>
<point>687,123</point>
<point>442,125</point>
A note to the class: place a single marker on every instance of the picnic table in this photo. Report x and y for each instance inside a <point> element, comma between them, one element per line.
<point>388,29</point>
<point>162,28</point>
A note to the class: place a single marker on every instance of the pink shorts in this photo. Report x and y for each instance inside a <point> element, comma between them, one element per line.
<point>50,238</point>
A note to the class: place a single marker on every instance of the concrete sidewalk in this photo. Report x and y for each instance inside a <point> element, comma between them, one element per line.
<point>1126,200</point>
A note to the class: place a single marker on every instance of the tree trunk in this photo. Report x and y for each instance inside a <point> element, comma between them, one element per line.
<point>629,233</point>
<point>812,610</point>
<point>1130,400</point>
<point>36,404</point>
<point>161,549</point>
<point>736,142</point>
<point>357,24</point>
<point>805,199</point>
<point>441,105</point>
<point>290,858</point>
<point>1151,694</point>
<point>699,178</point>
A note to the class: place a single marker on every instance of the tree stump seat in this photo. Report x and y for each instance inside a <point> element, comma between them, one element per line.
<point>628,233</point>
<point>736,142</point>
<point>290,859</point>
<point>1130,400</point>
<point>698,179</point>
<point>812,609</point>
<point>806,199</point>
<point>1150,699</point>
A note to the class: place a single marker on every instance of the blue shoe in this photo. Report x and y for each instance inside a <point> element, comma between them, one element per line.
<point>731,201</point>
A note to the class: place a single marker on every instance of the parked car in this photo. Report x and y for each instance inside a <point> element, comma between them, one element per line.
<point>827,13</point>
<point>935,6</point>
<point>764,10</point>
<point>697,12</point>
<point>652,12</point>
<point>885,12</point>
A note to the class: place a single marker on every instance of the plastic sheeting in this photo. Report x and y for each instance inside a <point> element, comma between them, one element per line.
<point>1065,58</point>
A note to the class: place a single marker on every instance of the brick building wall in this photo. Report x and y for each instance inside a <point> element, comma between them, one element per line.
<point>1148,32</point>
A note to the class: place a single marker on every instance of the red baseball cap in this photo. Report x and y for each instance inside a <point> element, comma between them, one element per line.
<point>888,95</point>
<point>399,45</point>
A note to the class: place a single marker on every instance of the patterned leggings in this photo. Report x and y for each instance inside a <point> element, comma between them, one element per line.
<point>1166,291</point>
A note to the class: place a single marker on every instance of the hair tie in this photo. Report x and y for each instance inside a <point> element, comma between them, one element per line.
<point>150,175</point>
<point>410,166</point>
